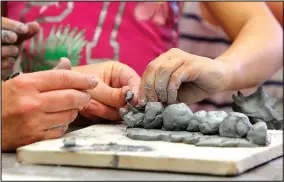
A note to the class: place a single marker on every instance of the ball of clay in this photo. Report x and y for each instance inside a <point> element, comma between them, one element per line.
<point>176,117</point>
<point>235,125</point>
<point>210,123</point>
<point>153,115</point>
<point>132,119</point>
<point>258,134</point>
<point>194,122</point>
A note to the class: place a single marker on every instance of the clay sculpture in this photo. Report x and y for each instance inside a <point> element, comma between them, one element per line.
<point>177,123</point>
<point>259,107</point>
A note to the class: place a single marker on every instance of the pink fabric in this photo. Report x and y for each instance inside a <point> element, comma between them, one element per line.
<point>146,28</point>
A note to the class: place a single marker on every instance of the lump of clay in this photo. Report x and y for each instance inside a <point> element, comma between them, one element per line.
<point>235,125</point>
<point>132,119</point>
<point>176,117</point>
<point>258,134</point>
<point>153,115</point>
<point>259,105</point>
<point>210,123</point>
<point>194,122</point>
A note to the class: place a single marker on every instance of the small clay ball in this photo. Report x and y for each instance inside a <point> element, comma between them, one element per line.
<point>194,122</point>
<point>235,125</point>
<point>210,123</point>
<point>176,117</point>
<point>258,134</point>
<point>153,115</point>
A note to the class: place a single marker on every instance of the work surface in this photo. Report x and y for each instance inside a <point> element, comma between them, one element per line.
<point>13,170</point>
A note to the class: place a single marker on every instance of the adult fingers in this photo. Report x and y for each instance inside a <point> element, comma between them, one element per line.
<point>114,97</point>
<point>67,99</point>
<point>59,79</point>
<point>8,37</point>
<point>10,51</point>
<point>33,29</point>
<point>64,64</point>
<point>59,119</point>
<point>97,109</point>
<point>15,26</point>
<point>163,76</point>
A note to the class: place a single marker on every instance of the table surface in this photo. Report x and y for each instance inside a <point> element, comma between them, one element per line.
<point>12,170</point>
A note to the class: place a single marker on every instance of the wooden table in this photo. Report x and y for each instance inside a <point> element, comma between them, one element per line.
<point>11,170</point>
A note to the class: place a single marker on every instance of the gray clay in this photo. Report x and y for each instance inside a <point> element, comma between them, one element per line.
<point>153,115</point>
<point>129,96</point>
<point>196,120</point>
<point>176,117</point>
<point>69,142</point>
<point>259,105</point>
<point>235,125</point>
<point>258,134</point>
<point>196,138</point>
<point>210,123</point>
<point>132,119</point>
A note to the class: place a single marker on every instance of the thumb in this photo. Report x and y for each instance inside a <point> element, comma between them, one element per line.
<point>114,97</point>
<point>64,63</point>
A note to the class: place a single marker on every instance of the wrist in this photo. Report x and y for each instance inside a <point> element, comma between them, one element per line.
<point>230,71</point>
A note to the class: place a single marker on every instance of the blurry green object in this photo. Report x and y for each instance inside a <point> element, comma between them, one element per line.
<point>44,55</point>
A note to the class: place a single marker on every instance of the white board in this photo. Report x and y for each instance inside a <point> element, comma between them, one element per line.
<point>164,156</point>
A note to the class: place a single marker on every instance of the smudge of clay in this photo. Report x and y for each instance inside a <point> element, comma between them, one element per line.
<point>235,125</point>
<point>153,115</point>
<point>258,134</point>
<point>210,123</point>
<point>176,117</point>
<point>259,105</point>
<point>69,142</point>
<point>197,139</point>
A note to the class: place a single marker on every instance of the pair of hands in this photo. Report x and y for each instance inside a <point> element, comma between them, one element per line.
<point>41,105</point>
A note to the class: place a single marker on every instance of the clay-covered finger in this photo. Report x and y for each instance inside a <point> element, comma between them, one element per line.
<point>97,109</point>
<point>33,29</point>
<point>15,26</point>
<point>8,37</point>
<point>176,79</point>
<point>163,76</point>
<point>62,100</point>
<point>10,51</point>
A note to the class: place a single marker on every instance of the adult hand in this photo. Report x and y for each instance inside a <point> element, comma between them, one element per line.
<point>13,34</point>
<point>41,105</point>
<point>177,76</point>
<point>114,80</point>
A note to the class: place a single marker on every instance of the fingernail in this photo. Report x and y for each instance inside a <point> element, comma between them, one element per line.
<point>142,102</point>
<point>23,28</point>
<point>93,82</point>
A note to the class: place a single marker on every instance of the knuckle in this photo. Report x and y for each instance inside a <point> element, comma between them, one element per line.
<point>27,105</point>
<point>21,82</point>
<point>65,79</point>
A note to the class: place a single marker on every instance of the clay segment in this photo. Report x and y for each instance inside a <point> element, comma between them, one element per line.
<point>177,123</point>
<point>259,107</point>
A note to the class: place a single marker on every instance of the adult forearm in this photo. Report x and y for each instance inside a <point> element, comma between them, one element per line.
<point>255,55</point>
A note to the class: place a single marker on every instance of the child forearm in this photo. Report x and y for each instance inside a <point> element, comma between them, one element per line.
<point>256,53</point>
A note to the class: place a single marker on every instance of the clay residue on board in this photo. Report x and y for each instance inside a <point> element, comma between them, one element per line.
<point>177,123</point>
